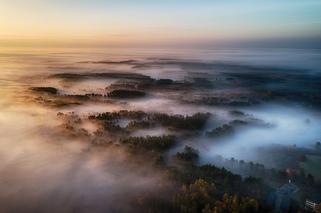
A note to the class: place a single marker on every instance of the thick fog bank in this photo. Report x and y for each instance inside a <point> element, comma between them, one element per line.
<point>42,172</point>
<point>289,125</point>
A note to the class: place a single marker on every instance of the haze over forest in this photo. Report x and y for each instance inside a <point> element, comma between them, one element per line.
<point>160,106</point>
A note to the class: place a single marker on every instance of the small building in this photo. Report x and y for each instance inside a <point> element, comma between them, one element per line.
<point>312,206</point>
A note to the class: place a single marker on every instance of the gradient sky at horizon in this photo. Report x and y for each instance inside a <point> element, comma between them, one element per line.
<point>146,22</point>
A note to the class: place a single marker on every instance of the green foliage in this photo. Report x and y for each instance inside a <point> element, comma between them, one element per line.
<point>164,82</point>
<point>194,197</point>
<point>227,128</point>
<point>202,196</point>
<point>119,115</point>
<point>111,126</point>
<point>157,143</point>
<point>122,93</point>
<point>224,179</point>
<point>133,125</point>
<point>234,204</point>
<point>202,83</point>
<point>237,113</point>
<point>189,154</point>
<point>220,131</point>
<point>194,122</point>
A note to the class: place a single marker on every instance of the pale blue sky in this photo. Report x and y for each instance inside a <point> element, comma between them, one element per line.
<point>163,21</point>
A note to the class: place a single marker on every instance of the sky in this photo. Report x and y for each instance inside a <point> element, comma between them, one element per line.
<point>160,23</point>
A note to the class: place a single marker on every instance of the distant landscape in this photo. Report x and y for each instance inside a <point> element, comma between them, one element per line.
<point>157,134</point>
<point>140,106</point>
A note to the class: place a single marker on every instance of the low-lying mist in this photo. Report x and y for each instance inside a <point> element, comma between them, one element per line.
<point>124,131</point>
<point>288,126</point>
<point>43,172</point>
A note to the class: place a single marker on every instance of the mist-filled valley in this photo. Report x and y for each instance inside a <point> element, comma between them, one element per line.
<point>96,130</point>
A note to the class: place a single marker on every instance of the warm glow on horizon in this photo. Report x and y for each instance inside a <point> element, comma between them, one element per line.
<point>121,23</point>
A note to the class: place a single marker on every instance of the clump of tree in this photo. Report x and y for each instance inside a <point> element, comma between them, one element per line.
<point>226,101</point>
<point>78,97</point>
<point>122,93</point>
<point>202,196</point>
<point>111,126</point>
<point>229,128</point>
<point>220,131</point>
<point>48,90</point>
<point>164,81</point>
<point>237,113</point>
<point>194,122</point>
<point>119,115</point>
<point>318,145</point>
<point>210,173</point>
<point>151,143</point>
<point>110,75</point>
<point>202,83</point>
<point>144,84</point>
<point>234,204</point>
<point>188,155</point>
<point>131,84</point>
<point>143,124</point>
<point>225,181</point>
<point>195,196</point>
